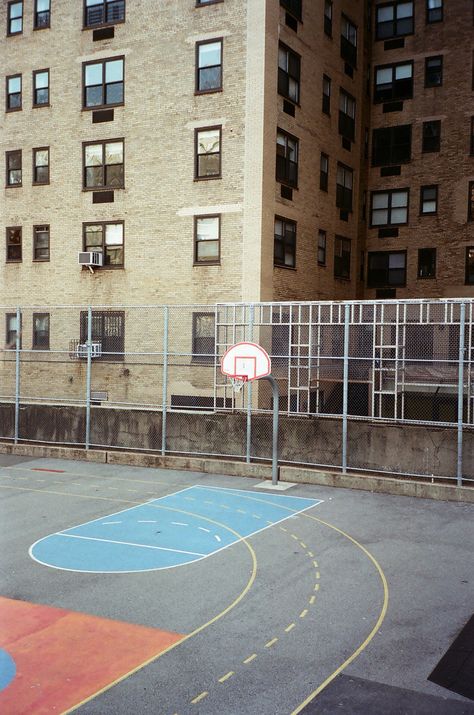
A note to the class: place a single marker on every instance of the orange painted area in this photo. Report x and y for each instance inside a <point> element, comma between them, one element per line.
<point>63,657</point>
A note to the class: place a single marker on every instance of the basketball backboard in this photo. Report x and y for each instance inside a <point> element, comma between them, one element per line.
<point>246,362</point>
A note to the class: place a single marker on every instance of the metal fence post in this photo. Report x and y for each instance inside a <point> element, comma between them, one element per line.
<point>462,328</point>
<point>88,377</point>
<point>249,391</point>
<point>345,387</point>
<point>17,374</point>
<point>164,398</point>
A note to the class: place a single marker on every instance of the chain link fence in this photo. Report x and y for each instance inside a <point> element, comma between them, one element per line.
<point>372,386</point>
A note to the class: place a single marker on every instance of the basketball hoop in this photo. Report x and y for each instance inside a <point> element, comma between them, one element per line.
<point>238,382</point>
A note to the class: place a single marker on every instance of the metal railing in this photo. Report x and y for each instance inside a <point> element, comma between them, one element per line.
<point>375,386</point>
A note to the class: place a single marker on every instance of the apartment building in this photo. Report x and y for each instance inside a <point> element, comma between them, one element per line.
<point>201,151</point>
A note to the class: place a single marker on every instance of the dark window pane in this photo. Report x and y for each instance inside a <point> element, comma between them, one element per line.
<point>209,78</point>
<point>93,96</point>
<point>94,176</point>
<point>208,164</point>
<point>114,93</point>
<point>114,175</point>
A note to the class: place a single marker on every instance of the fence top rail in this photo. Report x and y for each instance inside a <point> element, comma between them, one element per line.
<point>161,306</point>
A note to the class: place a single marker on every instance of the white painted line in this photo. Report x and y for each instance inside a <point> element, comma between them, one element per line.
<point>104,523</point>
<point>217,538</point>
<point>129,543</point>
<point>147,521</point>
<point>201,528</point>
<point>179,523</point>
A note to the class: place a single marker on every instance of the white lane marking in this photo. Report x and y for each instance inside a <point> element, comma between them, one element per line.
<point>104,523</point>
<point>218,538</point>
<point>147,521</point>
<point>179,523</point>
<point>201,528</point>
<point>129,543</point>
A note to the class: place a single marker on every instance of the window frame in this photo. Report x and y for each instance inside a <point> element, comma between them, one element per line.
<point>289,6</point>
<point>322,234</point>
<point>424,139</point>
<point>35,166</point>
<point>389,143</point>
<point>470,202</point>
<point>35,232</point>
<point>103,24</point>
<point>285,242</point>
<point>434,10</point>
<point>466,266</point>
<point>431,83</point>
<point>8,154</point>
<point>197,356</point>
<point>111,222</point>
<point>197,130</point>
<point>41,12</point>
<point>288,163</point>
<point>346,123</point>
<point>102,62</point>
<point>389,192</point>
<point>377,99</point>
<point>8,244</point>
<point>199,44</point>
<point>386,283</point>
<point>324,175</point>
<point>395,34</point>
<point>10,94</point>
<point>326,96</point>
<point>423,200</point>
<point>203,3</point>
<point>341,262</point>
<point>434,263</point>
<point>288,76</point>
<point>10,18</point>
<point>36,89</point>
<point>10,344</point>
<point>472,136</point>
<point>328,18</point>
<point>103,187</point>
<point>214,261</point>
<point>342,191</point>
<point>348,50</point>
<point>35,345</point>
<point>102,315</point>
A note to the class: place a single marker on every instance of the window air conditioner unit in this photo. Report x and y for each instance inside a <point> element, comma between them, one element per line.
<point>81,350</point>
<point>91,258</point>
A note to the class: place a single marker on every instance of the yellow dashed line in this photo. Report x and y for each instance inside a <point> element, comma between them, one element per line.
<point>283,528</point>
<point>293,536</point>
<point>316,587</point>
<point>312,599</point>
<point>226,676</point>
<point>303,544</point>
<point>315,564</point>
<point>250,658</point>
<point>304,613</point>
<point>200,697</point>
<point>270,643</point>
<point>310,554</point>
<point>290,627</point>
<point>317,574</point>
<point>40,480</point>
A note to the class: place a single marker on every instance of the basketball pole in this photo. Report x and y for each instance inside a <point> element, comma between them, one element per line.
<point>276,409</point>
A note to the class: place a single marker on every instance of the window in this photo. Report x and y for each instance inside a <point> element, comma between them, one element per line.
<point>209,66</point>
<point>41,243</point>
<point>346,115</point>
<point>284,253</point>
<point>13,93</point>
<point>328,17</point>
<point>12,331</point>
<point>106,238</point>
<point>470,265</point>
<point>103,165</point>
<point>433,71</point>
<point>427,263</point>
<point>15,18</point>
<point>326,94</point>
<point>322,240</point>
<point>348,41</point>
<point>324,172</point>
<point>287,159</point>
<point>208,2</point>
<point>103,12</point>
<point>472,136</point>
<point>207,239</point>
<point>431,136</point>
<point>386,269</point>
<point>41,165</point>
<point>344,181</point>
<point>208,153</point>
<point>40,88</point>
<point>391,145</point>
<point>293,6</point>
<point>13,167</point>
<point>389,208</point>
<point>342,258</point>
<point>434,11</point>
<point>103,83</point>
<point>289,69</point>
<point>42,14</point>
<point>393,82</point>
<point>428,200</point>
<point>394,19</point>
<point>40,331</point>
<point>13,244</point>
<point>108,328</point>
<point>470,206</point>
<point>204,337</point>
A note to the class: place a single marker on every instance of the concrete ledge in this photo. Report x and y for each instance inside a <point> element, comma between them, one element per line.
<point>39,450</point>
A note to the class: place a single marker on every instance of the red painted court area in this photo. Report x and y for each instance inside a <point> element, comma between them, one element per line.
<point>63,657</point>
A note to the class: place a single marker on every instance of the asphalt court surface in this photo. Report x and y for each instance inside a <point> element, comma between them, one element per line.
<point>212,596</point>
